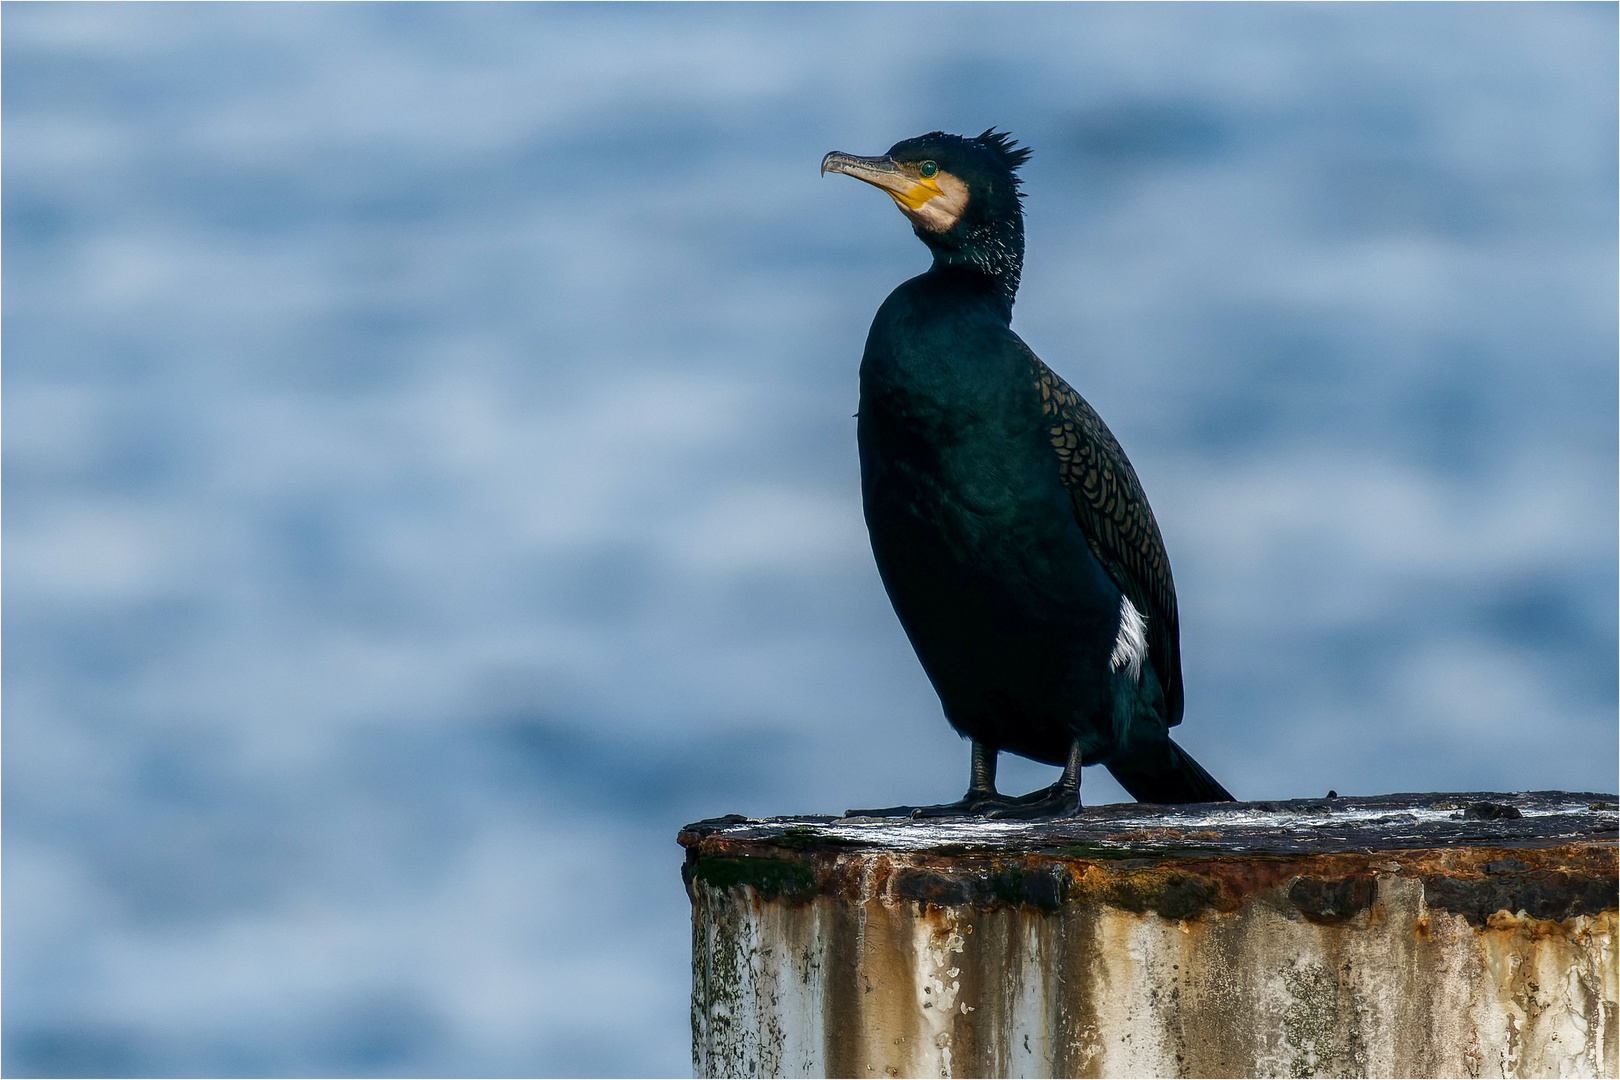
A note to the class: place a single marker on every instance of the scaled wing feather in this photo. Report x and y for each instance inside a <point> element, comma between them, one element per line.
<point>1113,513</point>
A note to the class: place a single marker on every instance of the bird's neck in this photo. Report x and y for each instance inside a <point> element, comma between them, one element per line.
<point>994,249</point>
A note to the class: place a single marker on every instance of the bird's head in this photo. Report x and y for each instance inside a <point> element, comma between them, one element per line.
<point>961,194</point>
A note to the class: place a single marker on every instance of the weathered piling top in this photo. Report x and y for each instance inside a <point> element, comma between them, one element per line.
<point>1550,854</point>
<point>1398,935</point>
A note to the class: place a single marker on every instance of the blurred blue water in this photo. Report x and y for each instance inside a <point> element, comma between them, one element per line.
<point>430,475</point>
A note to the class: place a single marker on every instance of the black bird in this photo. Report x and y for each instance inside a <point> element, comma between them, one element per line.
<point>1010,530</point>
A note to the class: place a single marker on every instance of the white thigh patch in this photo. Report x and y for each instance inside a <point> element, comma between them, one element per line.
<point>1130,648</point>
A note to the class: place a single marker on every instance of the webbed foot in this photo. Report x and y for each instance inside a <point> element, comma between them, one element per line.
<point>1059,800</point>
<point>973,804</point>
<point>882,812</point>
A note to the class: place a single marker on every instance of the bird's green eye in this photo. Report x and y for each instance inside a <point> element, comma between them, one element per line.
<point>928,168</point>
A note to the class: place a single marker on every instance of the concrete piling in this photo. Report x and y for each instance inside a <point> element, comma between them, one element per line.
<point>1407,935</point>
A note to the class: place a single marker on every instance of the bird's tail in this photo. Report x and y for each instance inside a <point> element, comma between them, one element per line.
<point>1166,774</point>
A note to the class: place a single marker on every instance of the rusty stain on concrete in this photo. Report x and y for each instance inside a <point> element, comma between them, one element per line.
<point>819,949</point>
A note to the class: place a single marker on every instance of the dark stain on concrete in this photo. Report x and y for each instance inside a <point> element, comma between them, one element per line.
<point>984,886</point>
<point>1555,895</point>
<point>1326,901</point>
<point>1171,895</point>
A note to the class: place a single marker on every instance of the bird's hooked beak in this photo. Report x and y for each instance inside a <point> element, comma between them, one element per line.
<point>904,184</point>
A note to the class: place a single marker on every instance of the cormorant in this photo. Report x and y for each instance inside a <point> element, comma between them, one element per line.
<point>1010,530</point>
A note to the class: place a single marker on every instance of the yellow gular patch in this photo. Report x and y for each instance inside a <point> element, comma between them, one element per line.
<point>934,203</point>
<point>920,192</point>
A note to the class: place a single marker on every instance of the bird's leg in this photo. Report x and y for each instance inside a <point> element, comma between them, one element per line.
<point>980,799</point>
<point>982,773</point>
<point>981,794</point>
<point>1062,799</point>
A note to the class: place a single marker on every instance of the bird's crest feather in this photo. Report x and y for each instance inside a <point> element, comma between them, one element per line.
<point>1004,147</point>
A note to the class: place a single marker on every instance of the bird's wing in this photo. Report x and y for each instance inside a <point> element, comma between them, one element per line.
<point>1113,513</point>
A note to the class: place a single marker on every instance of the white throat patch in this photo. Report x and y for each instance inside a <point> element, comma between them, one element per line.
<point>1131,647</point>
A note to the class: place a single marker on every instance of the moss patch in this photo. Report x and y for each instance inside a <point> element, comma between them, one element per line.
<point>770,878</point>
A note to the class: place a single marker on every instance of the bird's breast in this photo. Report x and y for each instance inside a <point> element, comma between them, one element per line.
<point>960,483</point>
<point>958,479</point>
